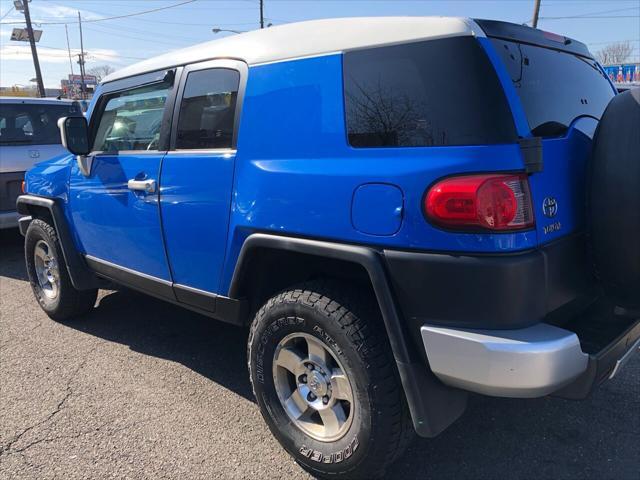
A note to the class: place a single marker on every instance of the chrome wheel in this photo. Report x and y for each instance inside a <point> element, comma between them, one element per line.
<point>313,387</point>
<point>46,268</point>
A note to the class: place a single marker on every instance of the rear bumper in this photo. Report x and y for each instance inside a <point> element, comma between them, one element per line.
<point>497,291</point>
<point>514,325</point>
<point>10,189</point>
<point>604,362</point>
<point>528,362</point>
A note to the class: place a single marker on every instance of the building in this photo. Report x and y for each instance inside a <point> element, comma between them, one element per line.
<point>72,86</point>
<point>624,75</point>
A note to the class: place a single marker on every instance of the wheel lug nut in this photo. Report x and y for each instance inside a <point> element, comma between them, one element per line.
<point>311,367</point>
<point>311,397</point>
<point>325,399</point>
<point>304,378</point>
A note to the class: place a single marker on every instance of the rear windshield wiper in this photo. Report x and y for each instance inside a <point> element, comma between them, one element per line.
<point>550,129</point>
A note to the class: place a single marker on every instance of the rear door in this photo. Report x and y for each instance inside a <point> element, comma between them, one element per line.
<point>115,209</point>
<point>563,95</point>
<point>197,177</point>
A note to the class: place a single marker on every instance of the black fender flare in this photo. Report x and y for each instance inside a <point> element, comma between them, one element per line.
<point>81,277</point>
<point>433,405</point>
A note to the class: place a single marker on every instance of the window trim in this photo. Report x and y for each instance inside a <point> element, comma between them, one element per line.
<point>133,83</point>
<point>227,64</point>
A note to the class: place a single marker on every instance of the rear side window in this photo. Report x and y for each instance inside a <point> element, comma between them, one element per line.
<point>207,110</point>
<point>131,119</point>
<point>433,93</point>
<point>33,124</point>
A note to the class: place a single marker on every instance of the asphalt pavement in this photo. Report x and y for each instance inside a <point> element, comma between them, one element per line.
<point>141,389</point>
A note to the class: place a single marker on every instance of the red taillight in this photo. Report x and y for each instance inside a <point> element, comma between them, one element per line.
<point>22,187</point>
<point>493,202</point>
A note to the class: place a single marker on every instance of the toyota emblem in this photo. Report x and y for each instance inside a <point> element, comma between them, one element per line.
<point>550,207</point>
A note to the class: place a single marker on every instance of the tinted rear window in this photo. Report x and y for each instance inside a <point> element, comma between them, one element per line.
<point>554,87</point>
<point>33,124</point>
<point>433,93</point>
<point>207,109</point>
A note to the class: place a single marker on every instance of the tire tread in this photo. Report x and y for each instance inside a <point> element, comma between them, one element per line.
<point>72,302</point>
<point>359,318</point>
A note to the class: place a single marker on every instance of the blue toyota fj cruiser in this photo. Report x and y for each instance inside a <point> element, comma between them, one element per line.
<point>402,210</point>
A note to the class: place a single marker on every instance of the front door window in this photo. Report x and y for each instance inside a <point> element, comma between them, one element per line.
<point>131,120</point>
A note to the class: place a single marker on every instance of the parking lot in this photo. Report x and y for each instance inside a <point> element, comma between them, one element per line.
<point>142,389</point>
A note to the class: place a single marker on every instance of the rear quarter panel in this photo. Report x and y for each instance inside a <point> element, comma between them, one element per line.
<point>296,173</point>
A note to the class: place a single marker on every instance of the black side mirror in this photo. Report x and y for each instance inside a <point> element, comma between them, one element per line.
<point>74,133</point>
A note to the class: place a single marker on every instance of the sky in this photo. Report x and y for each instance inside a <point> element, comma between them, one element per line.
<point>179,23</point>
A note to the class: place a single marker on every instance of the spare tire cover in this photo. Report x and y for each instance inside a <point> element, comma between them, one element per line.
<point>614,201</point>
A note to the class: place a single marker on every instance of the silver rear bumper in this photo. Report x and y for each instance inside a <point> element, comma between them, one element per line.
<point>528,362</point>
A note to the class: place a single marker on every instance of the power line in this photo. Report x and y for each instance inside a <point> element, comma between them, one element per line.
<point>109,18</point>
<point>602,12</point>
<point>192,24</point>
<point>576,17</point>
<point>19,49</point>
<point>596,14</point>
<point>6,14</point>
<point>615,41</point>
<point>150,40</point>
<point>147,33</point>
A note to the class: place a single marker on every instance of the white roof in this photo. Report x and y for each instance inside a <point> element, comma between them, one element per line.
<point>311,38</point>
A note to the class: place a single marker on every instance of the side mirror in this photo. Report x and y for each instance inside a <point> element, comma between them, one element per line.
<point>74,133</point>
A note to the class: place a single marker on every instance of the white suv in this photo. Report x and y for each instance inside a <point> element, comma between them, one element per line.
<point>28,134</point>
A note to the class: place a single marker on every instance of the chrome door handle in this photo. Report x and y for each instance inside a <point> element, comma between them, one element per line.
<point>148,186</point>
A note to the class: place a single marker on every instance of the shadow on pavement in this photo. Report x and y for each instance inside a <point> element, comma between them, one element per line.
<point>12,254</point>
<point>153,327</point>
<point>496,438</point>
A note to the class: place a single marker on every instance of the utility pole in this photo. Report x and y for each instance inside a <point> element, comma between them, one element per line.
<point>83,88</point>
<point>536,13</point>
<point>261,13</point>
<point>66,32</point>
<point>34,51</point>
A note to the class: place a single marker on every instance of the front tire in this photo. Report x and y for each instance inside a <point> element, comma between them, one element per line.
<point>48,275</point>
<point>324,378</point>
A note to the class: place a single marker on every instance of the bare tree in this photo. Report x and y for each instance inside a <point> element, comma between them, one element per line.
<point>614,53</point>
<point>101,71</point>
<point>386,117</point>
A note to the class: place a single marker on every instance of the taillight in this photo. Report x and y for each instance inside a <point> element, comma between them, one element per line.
<point>554,37</point>
<point>492,202</point>
<point>22,187</point>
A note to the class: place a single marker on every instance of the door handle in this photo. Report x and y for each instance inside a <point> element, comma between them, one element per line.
<point>147,186</point>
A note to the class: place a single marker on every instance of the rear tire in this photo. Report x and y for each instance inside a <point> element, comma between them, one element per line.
<point>48,275</point>
<point>369,425</point>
